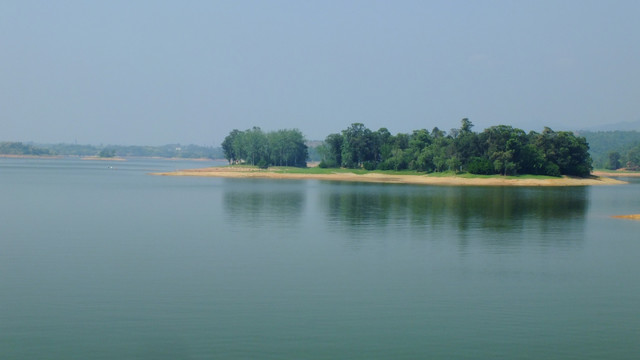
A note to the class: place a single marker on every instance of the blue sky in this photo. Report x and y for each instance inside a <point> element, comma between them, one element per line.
<point>156,72</point>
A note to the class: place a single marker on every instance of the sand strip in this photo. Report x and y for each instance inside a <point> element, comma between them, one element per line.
<point>630,217</point>
<point>243,172</point>
<point>616,174</point>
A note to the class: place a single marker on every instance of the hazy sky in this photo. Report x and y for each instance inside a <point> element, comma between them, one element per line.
<point>156,72</point>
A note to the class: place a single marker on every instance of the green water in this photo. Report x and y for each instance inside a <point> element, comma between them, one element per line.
<point>100,261</point>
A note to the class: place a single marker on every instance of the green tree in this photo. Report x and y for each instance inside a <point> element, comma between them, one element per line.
<point>107,153</point>
<point>292,148</point>
<point>454,164</point>
<point>229,146</point>
<point>466,145</point>
<point>572,154</point>
<point>614,160</point>
<point>633,158</point>
<point>481,166</point>
<point>440,152</point>
<point>253,146</point>
<point>359,145</point>
<point>256,146</point>
<point>385,144</point>
<point>503,146</point>
<point>333,151</point>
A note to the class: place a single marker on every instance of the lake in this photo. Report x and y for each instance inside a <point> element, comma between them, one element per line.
<point>99,260</point>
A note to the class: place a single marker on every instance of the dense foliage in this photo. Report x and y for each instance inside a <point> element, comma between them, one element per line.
<point>497,150</point>
<point>614,149</point>
<point>255,147</point>
<point>107,153</point>
<point>18,148</point>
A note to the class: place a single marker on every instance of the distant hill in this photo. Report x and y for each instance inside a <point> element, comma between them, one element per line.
<point>619,126</point>
<point>602,143</point>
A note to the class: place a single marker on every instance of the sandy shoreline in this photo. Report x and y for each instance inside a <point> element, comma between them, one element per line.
<point>630,217</point>
<point>243,172</point>
<point>616,174</point>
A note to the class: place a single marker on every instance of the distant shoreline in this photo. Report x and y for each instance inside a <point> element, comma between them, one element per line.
<point>374,177</point>
<point>11,156</point>
<point>117,158</point>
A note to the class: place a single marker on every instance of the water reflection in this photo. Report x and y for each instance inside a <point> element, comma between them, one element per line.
<point>373,209</point>
<point>494,216</point>
<point>250,202</point>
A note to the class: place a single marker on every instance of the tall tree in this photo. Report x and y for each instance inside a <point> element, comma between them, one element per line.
<point>333,155</point>
<point>359,145</point>
<point>466,145</point>
<point>614,160</point>
<point>228,146</point>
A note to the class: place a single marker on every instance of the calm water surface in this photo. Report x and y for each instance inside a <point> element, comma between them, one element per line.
<point>99,260</point>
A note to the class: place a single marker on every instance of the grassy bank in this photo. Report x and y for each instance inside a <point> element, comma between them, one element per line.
<point>325,171</point>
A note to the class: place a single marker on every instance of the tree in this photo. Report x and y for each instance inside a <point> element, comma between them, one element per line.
<point>503,146</point>
<point>564,153</point>
<point>253,146</point>
<point>437,133</point>
<point>256,145</point>
<point>333,152</point>
<point>466,126</point>
<point>439,150</point>
<point>633,158</point>
<point>420,157</point>
<point>500,149</point>
<point>481,166</point>
<point>454,164</point>
<point>359,145</point>
<point>385,144</point>
<point>466,144</point>
<point>107,153</point>
<point>228,146</point>
<point>532,158</point>
<point>572,154</point>
<point>293,150</point>
<point>614,160</point>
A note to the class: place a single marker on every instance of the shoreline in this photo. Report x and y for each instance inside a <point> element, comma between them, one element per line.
<point>12,156</point>
<point>372,177</point>
<point>117,158</point>
<point>628,217</point>
<point>616,174</point>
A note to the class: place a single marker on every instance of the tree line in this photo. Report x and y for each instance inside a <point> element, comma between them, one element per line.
<point>499,149</point>
<point>276,148</point>
<point>168,151</point>
<point>18,148</point>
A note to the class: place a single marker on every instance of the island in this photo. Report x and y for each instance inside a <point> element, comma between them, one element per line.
<point>498,156</point>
